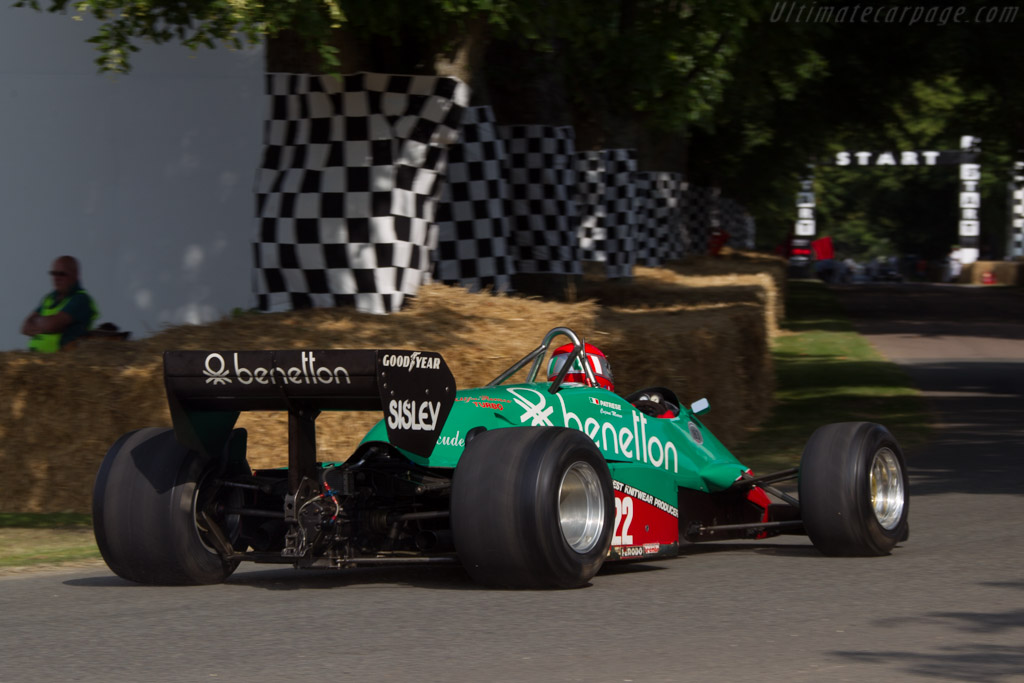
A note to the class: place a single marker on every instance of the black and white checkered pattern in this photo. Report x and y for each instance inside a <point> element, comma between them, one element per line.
<point>674,188</point>
<point>620,212</point>
<point>658,217</point>
<point>473,228</point>
<point>738,223</point>
<point>590,182</point>
<point>646,228</point>
<point>607,208</point>
<point>700,218</point>
<point>621,199</point>
<point>1017,233</point>
<point>348,187</point>
<point>540,167</point>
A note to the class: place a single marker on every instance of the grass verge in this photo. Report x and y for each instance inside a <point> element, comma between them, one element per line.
<point>826,372</point>
<point>34,539</point>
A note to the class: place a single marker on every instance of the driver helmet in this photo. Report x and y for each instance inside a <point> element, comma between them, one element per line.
<point>598,363</point>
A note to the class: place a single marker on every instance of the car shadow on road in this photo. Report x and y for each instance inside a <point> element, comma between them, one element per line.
<point>444,577</point>
<point>631,568</point>
<point>758,547</point>
<point>431,577</point>
<point>439,577</point>
<point>106,581</point>
<point>436,577</point>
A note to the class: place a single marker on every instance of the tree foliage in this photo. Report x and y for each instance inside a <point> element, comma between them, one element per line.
<point>803,91</point>
<point>236,23</point>
<point>721,89</point>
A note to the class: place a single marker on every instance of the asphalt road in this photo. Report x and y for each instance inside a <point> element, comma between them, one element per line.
<point>946,605</point>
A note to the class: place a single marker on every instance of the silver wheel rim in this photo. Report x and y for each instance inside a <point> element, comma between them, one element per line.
<point>887,497</point>
<point>581,507</point>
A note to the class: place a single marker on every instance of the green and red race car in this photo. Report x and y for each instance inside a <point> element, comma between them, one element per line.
<point>534,484</point>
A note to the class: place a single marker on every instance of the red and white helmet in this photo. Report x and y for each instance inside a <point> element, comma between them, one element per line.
<point>598,363</point>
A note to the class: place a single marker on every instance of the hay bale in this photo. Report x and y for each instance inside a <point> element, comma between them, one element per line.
<point>699,282</point>
<point>1000,272</point>
<point>62,412</point>
<point>719,352</point>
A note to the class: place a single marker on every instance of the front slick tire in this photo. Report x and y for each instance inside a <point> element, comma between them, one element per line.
<point>144,511</point>
<point>532,507</point>
<point>854,490</point>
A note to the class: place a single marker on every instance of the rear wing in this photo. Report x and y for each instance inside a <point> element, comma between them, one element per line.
<point>206,391</point>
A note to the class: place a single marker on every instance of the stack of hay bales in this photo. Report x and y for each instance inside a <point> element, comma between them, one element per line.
<point>62,412</point>
<point>993,273</point>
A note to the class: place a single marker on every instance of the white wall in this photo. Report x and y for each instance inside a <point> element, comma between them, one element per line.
<point>146,178</point>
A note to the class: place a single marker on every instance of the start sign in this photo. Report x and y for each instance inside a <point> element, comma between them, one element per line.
<point>969,226</point>
<point>910,158</point>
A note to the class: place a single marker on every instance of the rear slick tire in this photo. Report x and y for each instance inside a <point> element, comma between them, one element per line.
<point>854,494</point>
<point>532,507</point>
<point>147,497</point>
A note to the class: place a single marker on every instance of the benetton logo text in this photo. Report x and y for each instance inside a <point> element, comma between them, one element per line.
<point>306,372</point>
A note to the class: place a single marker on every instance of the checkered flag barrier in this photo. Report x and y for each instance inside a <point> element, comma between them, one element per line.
<point>473,227</point>
<point>659,200</point>
<point>646,232</point>
<point>590,182</point>
<point>700,218</point>
<point>621,200</point>
<point>348,187</point>
<point>737,222</point>
<point>1017,228</point>
<point>607,208</point>
<point>540,168</point>
<point>676,241</point>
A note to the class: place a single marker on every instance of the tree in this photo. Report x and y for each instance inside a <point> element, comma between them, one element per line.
<point>801,91</point>
<point>235,23</point>
<point>724,90</point>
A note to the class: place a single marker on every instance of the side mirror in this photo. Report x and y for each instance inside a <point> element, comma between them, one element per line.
<point>700,406</point>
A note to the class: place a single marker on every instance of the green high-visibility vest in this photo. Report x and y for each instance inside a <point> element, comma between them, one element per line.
<point>50,343</point>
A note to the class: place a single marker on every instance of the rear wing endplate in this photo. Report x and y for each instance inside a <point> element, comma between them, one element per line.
<point>206,391</point>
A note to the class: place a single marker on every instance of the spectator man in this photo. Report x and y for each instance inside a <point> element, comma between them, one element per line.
<point>65,315</point>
